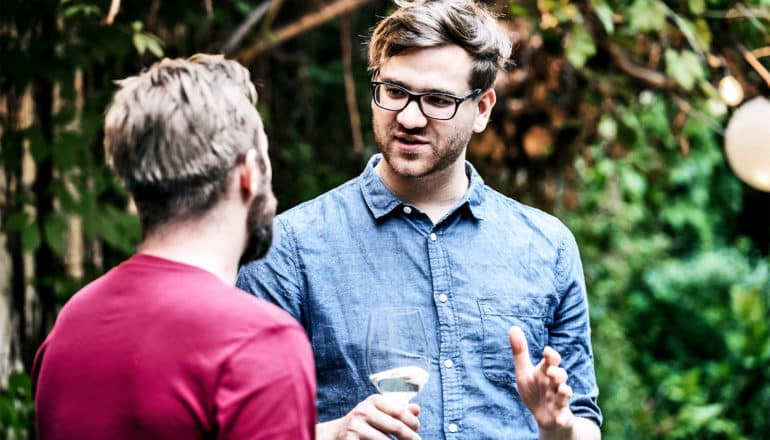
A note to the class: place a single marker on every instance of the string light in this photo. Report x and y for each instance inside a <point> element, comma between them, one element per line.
<point>730,90</point>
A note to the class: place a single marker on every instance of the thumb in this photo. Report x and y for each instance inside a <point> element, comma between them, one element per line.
<point>521,360</point>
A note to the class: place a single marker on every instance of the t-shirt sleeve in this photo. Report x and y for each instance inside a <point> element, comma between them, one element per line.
<point>276,277</point>
<point>570,334</point>
<point>267,388</point>
<point>37,365</point>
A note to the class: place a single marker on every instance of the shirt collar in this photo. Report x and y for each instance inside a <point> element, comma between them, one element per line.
<point>382,202</point>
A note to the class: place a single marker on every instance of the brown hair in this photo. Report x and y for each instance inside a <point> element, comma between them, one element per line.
<point>432,23</point>
<point>174,132</point>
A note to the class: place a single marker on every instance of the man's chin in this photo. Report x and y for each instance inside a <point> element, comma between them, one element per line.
<point>258,245</point>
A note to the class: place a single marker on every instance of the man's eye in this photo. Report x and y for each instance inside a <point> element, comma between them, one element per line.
<point>437,100</point>
<point>394,92</point>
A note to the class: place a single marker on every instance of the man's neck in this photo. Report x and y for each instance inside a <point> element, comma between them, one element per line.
<point>434,195</point>
<point>204,243</point>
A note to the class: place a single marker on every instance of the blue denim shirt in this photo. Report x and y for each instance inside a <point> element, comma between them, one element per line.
<point>490,263</point>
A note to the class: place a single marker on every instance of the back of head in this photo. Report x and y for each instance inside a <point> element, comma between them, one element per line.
<point>174,132</point>
<point>420,24</point>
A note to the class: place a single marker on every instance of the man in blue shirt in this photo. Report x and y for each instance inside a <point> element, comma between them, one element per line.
<point>418,230</point>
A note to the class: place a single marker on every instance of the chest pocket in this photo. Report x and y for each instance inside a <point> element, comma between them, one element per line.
<point>498,315</point>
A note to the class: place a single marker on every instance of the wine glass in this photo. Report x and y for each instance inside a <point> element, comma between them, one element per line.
<point>397,352</point>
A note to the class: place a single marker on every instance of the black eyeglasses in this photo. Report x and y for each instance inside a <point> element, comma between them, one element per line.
<point>434,105</point>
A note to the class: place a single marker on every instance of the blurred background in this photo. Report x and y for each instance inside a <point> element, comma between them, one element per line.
<point>615,118</point>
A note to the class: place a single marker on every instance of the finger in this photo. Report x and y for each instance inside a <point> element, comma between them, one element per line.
<point>563,395</point>
<point>414,409</point>
<point>521,360</point>
<point>387,424</point>
<point>557,375</point>
<point>363,430</point>
<point>551,356</point>
<point>403,415</point>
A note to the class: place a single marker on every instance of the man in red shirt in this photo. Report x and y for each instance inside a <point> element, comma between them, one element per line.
<point>163,346</point>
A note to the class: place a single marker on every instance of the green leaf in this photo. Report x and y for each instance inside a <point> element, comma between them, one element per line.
<point>16,221</point>
<point>81,9</point>
<point>154,45</point>
<point>604,12</point>
<point>243,7</point>
<point>11,150</point>
<point>30,238</point>
<point>633,182</point>
<point>65,115</point>
<point>685,68</point>
<point>580,46</point>
<point>697,7</point>
<point>140,43</point>
<point>516,10</point>
<point>689,30</point>
<point>66,149</point>
<point>144,41</point>
<point>55,227</point>
<point>38,147</point>
<point>119,229</point>
<point>703,33</point>
<point>647,15</point>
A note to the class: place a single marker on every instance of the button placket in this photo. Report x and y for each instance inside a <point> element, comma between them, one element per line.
<point>449,373</point>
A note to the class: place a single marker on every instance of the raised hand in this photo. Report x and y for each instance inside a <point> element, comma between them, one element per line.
<point>374,419</point>
<point>543,387</point>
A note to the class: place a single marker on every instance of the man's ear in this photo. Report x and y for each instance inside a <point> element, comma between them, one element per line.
<point>250,173</point>
<point>486,102</point>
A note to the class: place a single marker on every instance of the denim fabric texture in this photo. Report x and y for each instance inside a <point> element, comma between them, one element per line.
<point>490,263</point>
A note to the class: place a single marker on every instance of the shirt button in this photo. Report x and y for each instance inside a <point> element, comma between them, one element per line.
<point>452,427</point>
<point>407,210</point>
<point>442,298</point>
<point>449,364</point>
<point>432,237</point>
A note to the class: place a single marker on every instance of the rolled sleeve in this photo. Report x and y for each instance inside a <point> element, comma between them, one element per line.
<point>570,332</point>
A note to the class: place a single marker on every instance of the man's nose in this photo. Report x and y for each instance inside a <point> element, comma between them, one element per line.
<point>411,116</point>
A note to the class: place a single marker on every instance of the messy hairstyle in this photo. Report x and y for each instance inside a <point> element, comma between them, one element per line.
<point>174,132</point>
<point>420,24</point>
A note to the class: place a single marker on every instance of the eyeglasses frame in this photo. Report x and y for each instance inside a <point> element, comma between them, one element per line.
<point>412,96</point>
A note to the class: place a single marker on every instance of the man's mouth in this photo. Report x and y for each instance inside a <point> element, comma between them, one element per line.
<point>410,140</point>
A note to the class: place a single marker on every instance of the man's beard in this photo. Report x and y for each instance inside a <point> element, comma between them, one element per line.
<point>259,224</point>
<point>444,153</point>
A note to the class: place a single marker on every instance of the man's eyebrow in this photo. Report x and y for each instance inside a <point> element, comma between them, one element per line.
<point>399,83</point>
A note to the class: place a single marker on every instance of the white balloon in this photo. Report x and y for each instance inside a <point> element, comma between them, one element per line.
<point>747,143</point>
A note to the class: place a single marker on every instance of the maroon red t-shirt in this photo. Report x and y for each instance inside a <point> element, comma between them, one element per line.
<point>156,349</point>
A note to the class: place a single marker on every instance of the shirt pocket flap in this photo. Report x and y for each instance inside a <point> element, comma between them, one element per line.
<point>498,315</point>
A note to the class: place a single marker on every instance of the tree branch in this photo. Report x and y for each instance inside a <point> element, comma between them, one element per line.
<point>114,9</point>
<point>350,84</point>
<point>236,37</point>
<point>650,77</point>
<point>754,62</point>
<point>310,21</point>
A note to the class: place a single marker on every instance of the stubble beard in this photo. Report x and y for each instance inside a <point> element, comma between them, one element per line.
<point>441,156</point>
<point>259,228</point>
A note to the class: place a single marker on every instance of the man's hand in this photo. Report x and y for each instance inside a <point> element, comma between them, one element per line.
<point>373,419</point>
<point>542,387</point>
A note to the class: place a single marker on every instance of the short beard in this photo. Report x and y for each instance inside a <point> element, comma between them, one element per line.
<point>454,145</point>
<point>259,227</point>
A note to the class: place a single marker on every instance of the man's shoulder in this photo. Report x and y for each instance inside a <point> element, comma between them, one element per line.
<point>335,200</point>
<point>510,211</point>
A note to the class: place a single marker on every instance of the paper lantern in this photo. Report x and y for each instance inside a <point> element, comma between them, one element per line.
<point>747,143</point>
